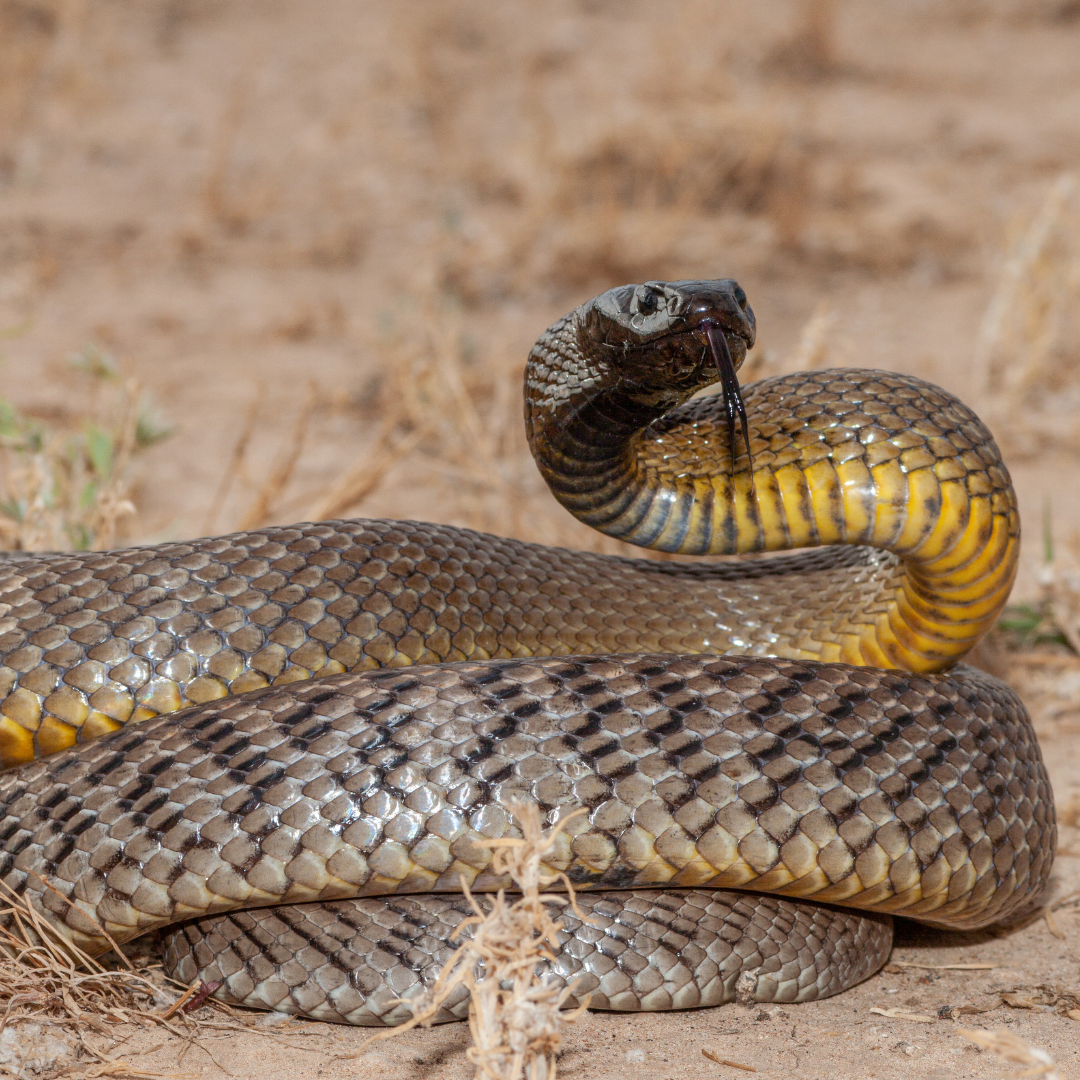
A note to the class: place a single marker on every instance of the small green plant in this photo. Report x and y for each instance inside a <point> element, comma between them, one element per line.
<point>1029,625</point>
<point>65,485</point>
<point>1053,618</point>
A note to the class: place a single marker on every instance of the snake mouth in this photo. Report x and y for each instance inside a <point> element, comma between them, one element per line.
<point>729,389</point>
<point>716,336</point>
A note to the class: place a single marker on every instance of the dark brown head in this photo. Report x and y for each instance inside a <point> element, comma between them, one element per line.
<point>661,326</point>
<point>665,340</point>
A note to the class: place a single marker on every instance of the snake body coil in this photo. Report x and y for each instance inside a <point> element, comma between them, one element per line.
<point>824,760</point>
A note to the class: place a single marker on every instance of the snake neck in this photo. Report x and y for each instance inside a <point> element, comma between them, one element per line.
<point>839,457</point>
<point>583,422</point>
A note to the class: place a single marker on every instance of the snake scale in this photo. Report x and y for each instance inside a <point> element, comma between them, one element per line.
<point>287,746</point>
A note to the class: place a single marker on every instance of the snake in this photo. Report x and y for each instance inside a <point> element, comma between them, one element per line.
<point>286,749</point>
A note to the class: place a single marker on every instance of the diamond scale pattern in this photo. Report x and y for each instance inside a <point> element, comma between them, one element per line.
<point>349,961</point>
<point>92,641</point>
<point>933,802</point>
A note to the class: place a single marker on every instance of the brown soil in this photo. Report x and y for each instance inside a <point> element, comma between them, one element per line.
<point>241,199</point>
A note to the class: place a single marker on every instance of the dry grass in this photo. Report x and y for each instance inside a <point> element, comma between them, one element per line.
<point>65,484</point>
<point>448,419</point>
<point>516,1011</point>
<point>270,491</point>
<point>65,1013</point>
<point>1033,648</point>
<point>1017,1051</point>
<point>1060,585</point>
<point>447,415</point>
<point>57,1002</point>
<point>1036,645</point>
<point>695,155</point>
<point>675,155</point>
<point>1027,355</point>
<point>1028,362</point>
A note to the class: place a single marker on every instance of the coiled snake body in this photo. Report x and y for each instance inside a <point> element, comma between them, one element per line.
<point>775,726</point>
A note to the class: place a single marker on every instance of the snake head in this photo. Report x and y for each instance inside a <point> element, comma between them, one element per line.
<point>665,340</point>
<point>658,334</point>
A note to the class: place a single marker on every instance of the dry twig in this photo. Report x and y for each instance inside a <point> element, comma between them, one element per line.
<point>1026,351</point>
<point>713,1056</point>
<point>234,469</point>
<point>515,1014</point>
<point>270,491</point>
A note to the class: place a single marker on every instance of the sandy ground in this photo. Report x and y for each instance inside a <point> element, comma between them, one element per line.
<point>240,199</point>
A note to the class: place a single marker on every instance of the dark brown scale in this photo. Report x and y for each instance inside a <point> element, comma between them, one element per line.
<point>88,681</point>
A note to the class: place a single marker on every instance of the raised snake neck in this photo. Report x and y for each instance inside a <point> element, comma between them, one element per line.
<point>844,457</point>
<point>853,457</point>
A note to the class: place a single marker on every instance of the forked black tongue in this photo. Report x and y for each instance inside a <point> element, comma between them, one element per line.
<point>729,386</point>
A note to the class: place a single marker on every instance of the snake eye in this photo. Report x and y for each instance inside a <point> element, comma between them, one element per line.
<point>740,296</point>
<point>647,302</point>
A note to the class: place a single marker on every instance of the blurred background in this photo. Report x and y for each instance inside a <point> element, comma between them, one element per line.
<point>264,261</point>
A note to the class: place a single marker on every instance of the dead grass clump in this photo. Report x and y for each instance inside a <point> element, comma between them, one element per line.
<point>515,1012</point>
<point>648,172</point>
<point>728,160</point>
<point>1053,618</point>
<point>261,510</point>
<point>1060,585</point>
<point>55,999</point>
<point>1027,354</point>
<point>63,1010</point>
<point>648,199</point>
<point>65,485</point>
<point>449,415</point>
<point>438,416</point>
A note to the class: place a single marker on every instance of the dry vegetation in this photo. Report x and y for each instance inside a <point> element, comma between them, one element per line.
<point>476,161</point>
<point>1028,350</point>
<point>65,1013</point>
<point>64,481</point>
<point>499,161</point>
<point>516,1008</point>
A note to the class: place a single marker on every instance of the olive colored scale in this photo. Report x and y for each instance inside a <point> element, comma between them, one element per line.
<point>91,641</point>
